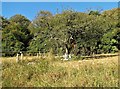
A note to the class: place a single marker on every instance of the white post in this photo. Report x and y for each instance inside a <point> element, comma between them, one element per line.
<point>66,55</point>
<point>69,56</point>
<point>21,55</point>
<point>17,57</point>
<point>37,55</point>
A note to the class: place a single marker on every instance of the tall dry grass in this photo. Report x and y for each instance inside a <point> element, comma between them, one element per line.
<point>46,72</point>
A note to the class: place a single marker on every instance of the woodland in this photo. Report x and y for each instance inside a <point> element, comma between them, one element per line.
<point>78,33</point>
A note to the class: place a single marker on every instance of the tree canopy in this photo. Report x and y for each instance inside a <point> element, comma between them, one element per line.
<point>79,33</point>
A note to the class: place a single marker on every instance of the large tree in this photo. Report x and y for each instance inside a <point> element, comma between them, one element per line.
<point>69,32</point>
<point>16,35</point>
<point>41,29</point>
<point>69,29</point>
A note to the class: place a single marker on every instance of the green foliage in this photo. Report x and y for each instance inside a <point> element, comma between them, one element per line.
<point>97,13</point>
<point>3,22</point>
<point>15,35</point>
<point>9,39</point>
<point>79,33</point>
<point>20,20</point>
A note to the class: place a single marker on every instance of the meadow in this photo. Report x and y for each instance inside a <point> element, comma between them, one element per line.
<point>53,72</point>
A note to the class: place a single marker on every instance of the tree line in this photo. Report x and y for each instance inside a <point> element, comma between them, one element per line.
<point>74,32</point>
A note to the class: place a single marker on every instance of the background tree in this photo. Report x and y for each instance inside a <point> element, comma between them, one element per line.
<point>16,35</point>
<point>41,29</point>
<point>22,34</point>
<point>3,22</point>
<point>9,40</point>
<point>68,32</point>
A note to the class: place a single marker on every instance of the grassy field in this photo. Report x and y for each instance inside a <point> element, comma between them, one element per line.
<point>46,72</point>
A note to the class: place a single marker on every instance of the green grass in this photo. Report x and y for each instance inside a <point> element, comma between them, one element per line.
<point>50,73</point>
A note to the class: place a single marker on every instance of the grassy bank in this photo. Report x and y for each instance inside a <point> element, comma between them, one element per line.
<point>49,73</point>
